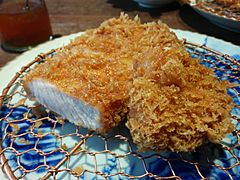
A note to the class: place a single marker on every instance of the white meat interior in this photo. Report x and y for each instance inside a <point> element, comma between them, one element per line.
<point>76,111</point>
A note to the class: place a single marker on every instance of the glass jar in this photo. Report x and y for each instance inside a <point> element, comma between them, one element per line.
<point>23,24</point>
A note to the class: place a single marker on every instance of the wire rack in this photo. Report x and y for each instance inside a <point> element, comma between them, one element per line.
<point>36,142</point>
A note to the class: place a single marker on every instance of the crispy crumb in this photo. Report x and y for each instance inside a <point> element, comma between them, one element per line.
<point>28,142</point>
<point>26,115</point>
<point>64,147</point>
<point>22,140</point>
<point>38,124</point>
<point>15,128</point>
<point>78,149</point>
<point>78,170</point>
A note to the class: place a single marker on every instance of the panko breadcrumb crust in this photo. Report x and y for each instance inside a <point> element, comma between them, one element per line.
<point>173,102</point>
<point>182,106</point>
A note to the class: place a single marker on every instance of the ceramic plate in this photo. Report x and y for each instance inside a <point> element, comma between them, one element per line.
<point>218,15</point>
<point>48,140</point>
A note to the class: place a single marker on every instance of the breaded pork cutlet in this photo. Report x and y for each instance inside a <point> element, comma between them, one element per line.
<point>87,81</point>
<point>173,103</point>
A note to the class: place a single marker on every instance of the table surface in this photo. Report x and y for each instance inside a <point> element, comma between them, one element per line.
<point>78,15</point>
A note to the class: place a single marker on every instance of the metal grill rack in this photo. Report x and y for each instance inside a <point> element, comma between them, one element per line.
<point>36,142</point>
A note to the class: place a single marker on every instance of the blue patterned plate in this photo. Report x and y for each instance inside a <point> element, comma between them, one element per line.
<point>43,145</point>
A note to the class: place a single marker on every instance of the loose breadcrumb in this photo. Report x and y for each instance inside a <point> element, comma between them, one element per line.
<point>79,149</point>
<point>38,124</point>
<point>40,132</point>
<point>22,140</point>
<point>78,170</point>
<point>64,147</point>
<point>15,128</point>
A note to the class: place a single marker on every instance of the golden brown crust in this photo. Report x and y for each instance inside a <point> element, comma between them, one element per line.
<point>182,105</point>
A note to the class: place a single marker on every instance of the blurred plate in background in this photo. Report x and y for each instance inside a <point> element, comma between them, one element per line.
<point>219,15</point>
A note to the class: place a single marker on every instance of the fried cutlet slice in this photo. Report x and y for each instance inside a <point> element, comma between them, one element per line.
<point>176,104</point>
<point>87,81</point>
